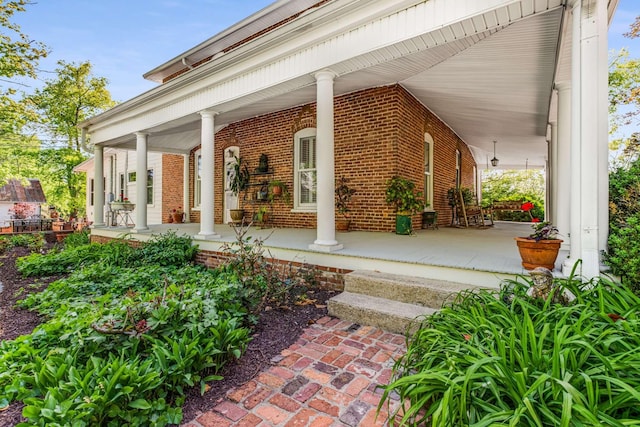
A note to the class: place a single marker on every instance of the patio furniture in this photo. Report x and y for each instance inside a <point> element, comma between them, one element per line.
<point>119,214</point>
<point>468,212</point>
<point>499,206</point>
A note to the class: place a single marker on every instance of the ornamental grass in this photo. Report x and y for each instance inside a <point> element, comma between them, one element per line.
<point>502,358</point>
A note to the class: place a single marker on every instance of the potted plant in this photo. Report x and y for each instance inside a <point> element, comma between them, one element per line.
<point>238,184</point>
<point>262,215</point>
<point>177,215</point>
<point>540,248</point>
<point>402,194</point>
<point>278,189</point>
<point>344,193</point>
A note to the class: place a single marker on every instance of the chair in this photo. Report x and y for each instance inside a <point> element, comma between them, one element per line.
<point>468,212</point>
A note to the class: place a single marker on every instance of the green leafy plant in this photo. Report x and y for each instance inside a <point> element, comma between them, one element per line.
<point>467,195</point>
<point>402,194</point>
<point>503,358</point>
<point>126,333</point>
<point>279,189</point>
<point>263,282</point>
<point>344,194</point>
<point>624,252</point>
<point>79,238</point>
<point>543,231</point>
<point>241,177</point>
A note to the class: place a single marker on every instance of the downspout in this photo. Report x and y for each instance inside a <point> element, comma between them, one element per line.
<point>83,139</point>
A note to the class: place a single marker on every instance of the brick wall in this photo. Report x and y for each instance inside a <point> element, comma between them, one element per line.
<point>379,132</point>
<point>172,188</point>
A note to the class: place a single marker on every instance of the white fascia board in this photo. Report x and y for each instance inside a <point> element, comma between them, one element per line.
<point>339,31</point>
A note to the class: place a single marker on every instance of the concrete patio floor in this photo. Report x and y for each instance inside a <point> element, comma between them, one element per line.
<point>478,256</point>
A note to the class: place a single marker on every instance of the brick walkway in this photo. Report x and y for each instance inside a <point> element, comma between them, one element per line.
<point>328,378</point>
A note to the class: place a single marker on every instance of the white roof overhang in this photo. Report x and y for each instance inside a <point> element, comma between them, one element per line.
<point>486,68</point>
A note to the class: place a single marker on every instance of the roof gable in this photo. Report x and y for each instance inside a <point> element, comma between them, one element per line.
<point>14,192</point>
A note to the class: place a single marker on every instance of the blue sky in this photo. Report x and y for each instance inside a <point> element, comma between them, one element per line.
<point>124,39</point>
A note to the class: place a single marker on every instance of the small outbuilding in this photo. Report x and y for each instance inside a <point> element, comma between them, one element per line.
<point>19,198</point>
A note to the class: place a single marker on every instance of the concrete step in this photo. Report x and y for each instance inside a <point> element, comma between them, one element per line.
<point>407,289</point>
<point>392,316</point>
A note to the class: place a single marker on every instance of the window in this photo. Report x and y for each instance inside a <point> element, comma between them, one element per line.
<point>92,191</point>
<point>132,177</point>
<point>122,191</point>
<point>197,184</point>
<point>458,167</point>
<point>428,170</point>
<point>305,185</point>
<point>150,186</point>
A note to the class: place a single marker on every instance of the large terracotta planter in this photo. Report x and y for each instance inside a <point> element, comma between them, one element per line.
<point>542,253</point>
<point>177,217</point>
<point>342,224</point>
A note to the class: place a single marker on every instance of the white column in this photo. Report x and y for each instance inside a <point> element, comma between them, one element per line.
<point>185,188</point>
<point>141,182</point>
<point>552,173</point>
<point>575,146</point>
<point>594,128</point>
<point>603,127</point>
<point>326,218</point>
<point>98,186</point>
<point>590,79</point>
<point>207,140</point>
<point>563,164</point>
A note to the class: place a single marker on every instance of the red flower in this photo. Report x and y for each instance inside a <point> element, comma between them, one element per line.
<point>527,206</point>
<point>535,219</point>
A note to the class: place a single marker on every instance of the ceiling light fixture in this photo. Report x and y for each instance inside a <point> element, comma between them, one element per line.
<point>494,161</point>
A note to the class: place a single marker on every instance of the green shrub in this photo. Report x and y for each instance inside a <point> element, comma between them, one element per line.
<point>486,361</point>
<point>263,282</point>
<point>624,252</point>
<point>123,338</point>
<point>79,238</point>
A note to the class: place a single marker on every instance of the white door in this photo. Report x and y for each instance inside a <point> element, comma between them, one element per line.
<point>231,155</point>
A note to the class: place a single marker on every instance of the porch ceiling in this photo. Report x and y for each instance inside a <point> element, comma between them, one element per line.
<point>492,85</point>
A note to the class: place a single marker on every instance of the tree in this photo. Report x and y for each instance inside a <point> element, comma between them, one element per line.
<point>19,57</point>
<point>71,97</point>
<point>524,185</point>
<point>64,188</point>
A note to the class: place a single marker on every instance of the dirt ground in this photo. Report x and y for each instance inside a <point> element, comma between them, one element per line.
<point>276,330</point>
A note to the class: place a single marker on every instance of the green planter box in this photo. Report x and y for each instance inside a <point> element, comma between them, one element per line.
<point>403,224</point>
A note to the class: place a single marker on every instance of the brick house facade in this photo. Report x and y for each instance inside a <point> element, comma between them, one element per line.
<point>379,132</point>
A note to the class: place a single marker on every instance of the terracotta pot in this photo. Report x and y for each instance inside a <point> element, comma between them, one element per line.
<point>277,191</point>
<point>542,253</point>
<point>342,224</point>
<point>177,217</point>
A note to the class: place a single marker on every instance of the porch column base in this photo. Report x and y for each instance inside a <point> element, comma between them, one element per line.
<point>568,265</point>
<point>329,246</point>
<point>141,230</point>
<point>206,236</point>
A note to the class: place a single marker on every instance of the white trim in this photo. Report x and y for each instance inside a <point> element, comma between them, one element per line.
<point>197,189</point>
<point>297,206</point>
<point>428,176</point>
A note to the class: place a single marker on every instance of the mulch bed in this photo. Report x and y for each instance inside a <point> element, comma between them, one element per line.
<point>277,329</point>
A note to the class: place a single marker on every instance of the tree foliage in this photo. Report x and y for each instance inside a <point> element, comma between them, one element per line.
<point>19,56</point>
<point>524,185</point>
<point>71,97</point>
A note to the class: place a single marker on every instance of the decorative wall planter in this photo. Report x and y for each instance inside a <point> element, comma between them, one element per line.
<point>542,253</point>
